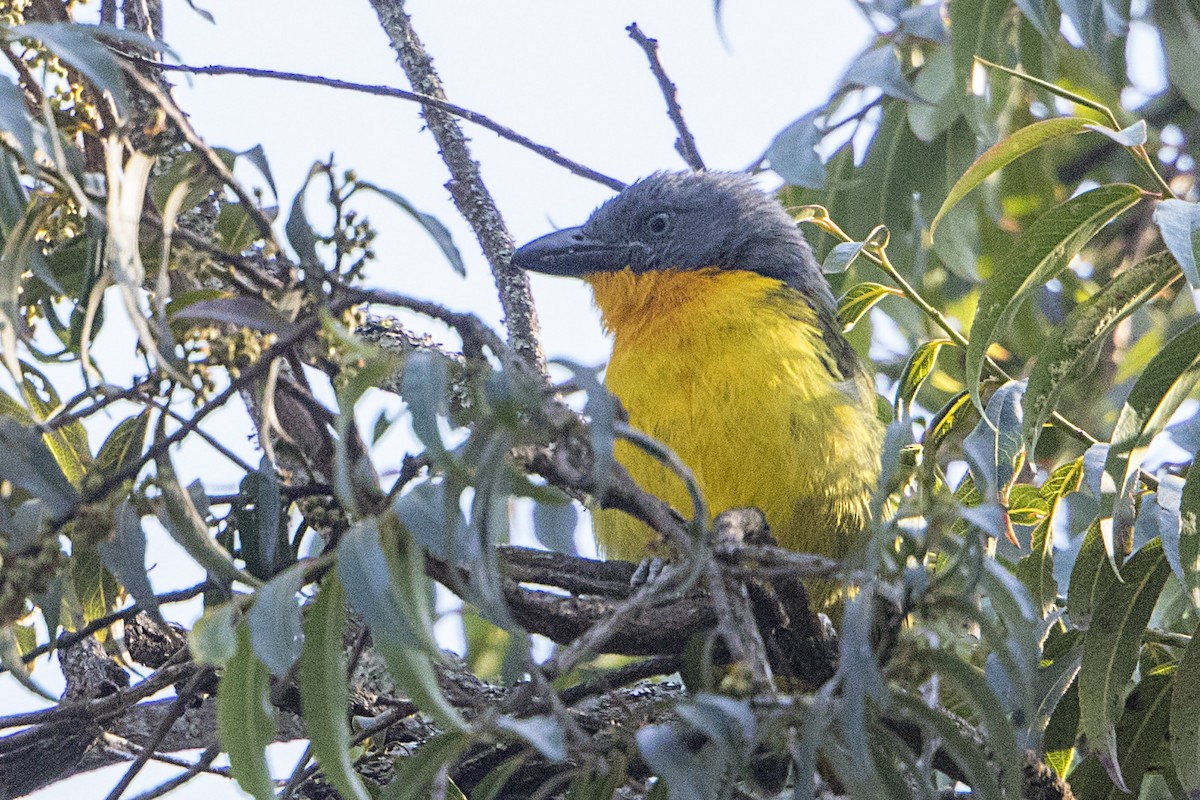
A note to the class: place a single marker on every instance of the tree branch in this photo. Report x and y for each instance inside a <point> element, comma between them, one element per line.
<point>466,185</point>
<point>686,143</point>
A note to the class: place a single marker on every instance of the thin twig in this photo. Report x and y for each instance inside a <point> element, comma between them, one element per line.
<point>466,185</point>
<point>686,143</point>
<point>182,700</point>
<point>503,131</point>
<point>202,764</point>
<point>68,639</point>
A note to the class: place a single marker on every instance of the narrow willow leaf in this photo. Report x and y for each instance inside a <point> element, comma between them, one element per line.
<point>1110,652</point>
<point>423,386</point>
<point>1160,389</point>
<point>274,621</point>
<point>68,443</point>
<point>299,231</point>
<point>1189,531</point>
<point>918,367</point>
<point>1185,721</point>
<point>554,526</point>
<point>994,449</point>
<point>124,445</point>
<point>1140,739</point>
<point>213,639</point>
<point>324,693</point>
<point>1091,578</point>
<point>246,719</point>
<point>1179,223</point>
<point>979,772</point>
<point>1005,152</point>
<point>1001,737</point>
<point>956,413</point>
<point>392,593</point>
<point>542,731</point>
<point>432,225</point>
<point>15,119</point>
<point>860,299</point>
<point>793,152</point>
<point>1040,255</point>
<point>1131,136</point>
<point>29,465</point>
<point>124,555</point>
<point>188,529</point>
<point>1074,347</point>
<point>414,774</point>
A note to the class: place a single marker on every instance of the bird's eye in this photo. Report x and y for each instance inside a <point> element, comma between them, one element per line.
<point>657,224</point>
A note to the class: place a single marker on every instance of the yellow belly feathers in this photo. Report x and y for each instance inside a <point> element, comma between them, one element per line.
<point>726,368</point>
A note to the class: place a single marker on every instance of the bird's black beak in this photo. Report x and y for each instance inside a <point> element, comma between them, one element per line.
<point>569,252</point>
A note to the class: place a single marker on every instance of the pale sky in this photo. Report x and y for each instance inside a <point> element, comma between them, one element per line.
<point>563,73</point>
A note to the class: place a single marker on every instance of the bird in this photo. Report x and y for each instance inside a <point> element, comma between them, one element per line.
<point>726,347</point>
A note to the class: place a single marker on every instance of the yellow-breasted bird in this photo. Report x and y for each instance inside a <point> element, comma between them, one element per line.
<point>726,347</point>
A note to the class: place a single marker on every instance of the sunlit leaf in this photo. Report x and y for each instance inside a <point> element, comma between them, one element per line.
<point>860,299</point>
<point>918,367</point>
<point>1076,343</point>
<point>1040,255</point>
<point>1022,141</point>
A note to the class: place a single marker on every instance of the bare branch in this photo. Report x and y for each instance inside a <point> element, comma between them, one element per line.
<point>379,90</point>
<point>686,143</point>
<point>466,185</point>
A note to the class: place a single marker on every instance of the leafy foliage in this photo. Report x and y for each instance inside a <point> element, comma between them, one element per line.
<point>980,198</point>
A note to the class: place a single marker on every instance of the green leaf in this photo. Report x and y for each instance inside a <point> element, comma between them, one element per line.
<point>793,155</point>
<point>1178,23</point>
<point>976,29</point>
<point>324,693</point>
<point>213,639</point>
<point>1179,223</point>
<point>1091,578</point>
<point>262,527</point>
<point>994,450</point>
<point>432,225</point>
<point>1165,383</point>
<point>955,413</point>
<point>29,465</point>
<point>1040,255</point>
<point>1140,738</point>
<point>424,386</point>
<point>543,731</point>
<point>554,525</point>
<point>1076,343</point>
<point>1185,722</point>
<point>235,229</point>
<point>839,259</point>
<point>1189,531</point>
<point>1110,652</point>
<point>918,367</point>
<point>124,555</point>
<point>274,621</point>
<point>1001,737</point>
<point>1131,136</point>
<point>415,773</point>
<point>181,519</point>
<point>1006,151</point>
<point>68,442</point>
<point>389,588</point>
<point>123,446</point>
<point>879,67</point>
<point>860,299</point>
<point>14,119</point>
<point>251,312</point>
<point>93,586</point>
<point>980,774</point>
<point>79,46</point>
<point>246,718</point>
<point>299,232</point>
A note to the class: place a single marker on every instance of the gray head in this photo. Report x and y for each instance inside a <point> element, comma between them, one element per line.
<point>684,220</point>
